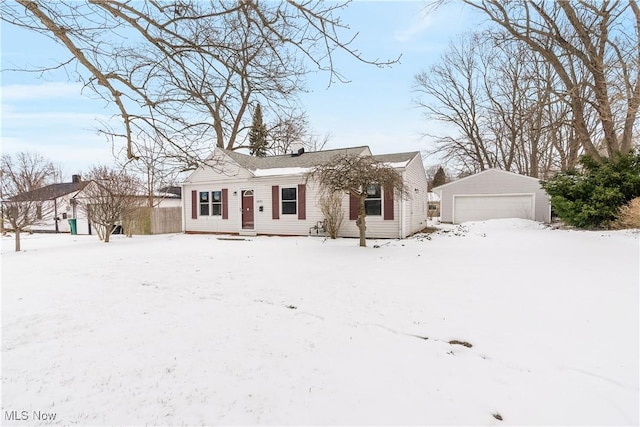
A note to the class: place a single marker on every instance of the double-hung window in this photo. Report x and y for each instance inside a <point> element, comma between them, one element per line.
<point>210,203</point>
<point>204,203</point>
<point>373,202</point>
<point>289,200</point>
<point>216,203</point>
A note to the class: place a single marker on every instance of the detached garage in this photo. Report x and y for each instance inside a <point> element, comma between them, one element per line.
<point>493,194</point>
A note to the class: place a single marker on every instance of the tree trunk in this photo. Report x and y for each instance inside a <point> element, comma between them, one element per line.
<point>361,220</point>
<point>107,232</point>
<point>17,230</point>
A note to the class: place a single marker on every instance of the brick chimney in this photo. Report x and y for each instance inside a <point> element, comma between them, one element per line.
<point>75,178</point>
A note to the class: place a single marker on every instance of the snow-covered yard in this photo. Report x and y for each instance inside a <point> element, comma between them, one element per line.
<point>191,329</point>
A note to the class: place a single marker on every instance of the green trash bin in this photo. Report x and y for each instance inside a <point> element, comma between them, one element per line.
<point>73,226</point>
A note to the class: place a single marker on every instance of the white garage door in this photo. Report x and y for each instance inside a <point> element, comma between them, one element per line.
<point>480,208</point>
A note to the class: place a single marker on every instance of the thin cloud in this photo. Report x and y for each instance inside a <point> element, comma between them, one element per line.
<point>41,118</point>
<point>51,90</point>
<point>416,28</point>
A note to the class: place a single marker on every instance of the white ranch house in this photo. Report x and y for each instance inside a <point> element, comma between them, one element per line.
<point>236,193</point>
<point>56,205</point>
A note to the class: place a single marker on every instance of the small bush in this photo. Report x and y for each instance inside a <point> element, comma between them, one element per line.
<point>629,215</point>
<point>331,206</point>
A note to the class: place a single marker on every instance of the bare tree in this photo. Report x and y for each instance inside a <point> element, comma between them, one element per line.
<point>188,70</point>
<point>600,37</point>
<point>112,197</point>
<point>156,165</point>
<point>358,176</point>
<point>293,130</point>
<point>18,176</point>
<point>507,105</point>
<point>452,92</point>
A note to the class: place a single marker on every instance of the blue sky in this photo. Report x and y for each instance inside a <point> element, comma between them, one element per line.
<point>50,115</point>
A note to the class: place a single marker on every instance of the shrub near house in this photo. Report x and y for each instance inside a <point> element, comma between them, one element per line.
<point>592,197</point>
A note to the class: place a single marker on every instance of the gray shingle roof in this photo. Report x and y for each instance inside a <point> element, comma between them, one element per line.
<point>309,159</point>
<point>396,157</point>
<point>50,192</point>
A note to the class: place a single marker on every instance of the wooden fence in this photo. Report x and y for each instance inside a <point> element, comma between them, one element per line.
<point>156,221</point>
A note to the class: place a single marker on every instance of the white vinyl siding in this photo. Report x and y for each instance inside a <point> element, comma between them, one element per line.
<point>493,182</point>
<point>415,206</point>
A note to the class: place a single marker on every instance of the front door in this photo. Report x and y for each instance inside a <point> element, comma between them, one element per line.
<point>247,209</point>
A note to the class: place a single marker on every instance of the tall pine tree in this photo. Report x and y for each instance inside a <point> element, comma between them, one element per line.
<point>258,135</point>
<point>439,178</point>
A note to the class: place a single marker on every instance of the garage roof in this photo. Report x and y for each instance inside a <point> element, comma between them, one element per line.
<point>492,170</point>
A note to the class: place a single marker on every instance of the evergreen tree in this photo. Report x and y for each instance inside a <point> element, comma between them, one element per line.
<point>258,135</point>
<point>439,178</point>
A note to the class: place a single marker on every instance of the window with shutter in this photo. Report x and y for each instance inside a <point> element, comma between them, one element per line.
<point>388,203</point>
<point>194,204</point>
<point>373,203</point>
<point>289,201</point>
<point>275,202</point>
<point>225,203</point>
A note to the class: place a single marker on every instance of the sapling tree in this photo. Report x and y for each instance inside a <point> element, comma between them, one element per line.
<point>112,196</point>
<point>19,175</point>
<point>356,175</point>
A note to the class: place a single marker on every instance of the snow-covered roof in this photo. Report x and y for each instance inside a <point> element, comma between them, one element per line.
<point>491,170</point>
<point>281,171</point>
<point>302,163</point>
<point>304,160</point>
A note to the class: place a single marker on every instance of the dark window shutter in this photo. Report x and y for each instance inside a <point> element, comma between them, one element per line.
<point>225,203</point>
<point>194,204</point>
<point>388,202</point>
<point>302,201</point>
<point>353,207</point>
<point>275,202</point>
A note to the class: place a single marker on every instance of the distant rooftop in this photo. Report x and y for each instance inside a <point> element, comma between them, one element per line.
<point>50,192</point>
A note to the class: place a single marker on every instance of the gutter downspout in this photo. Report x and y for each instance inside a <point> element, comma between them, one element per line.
<point>401,224</point>
<point>184,213</point>
<point>55,214</point>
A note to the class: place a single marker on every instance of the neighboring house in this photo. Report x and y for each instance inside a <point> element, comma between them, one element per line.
<point>56,204</point>
<point>241,194</point>
<point>433,204</point>
<point>493,194</point>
